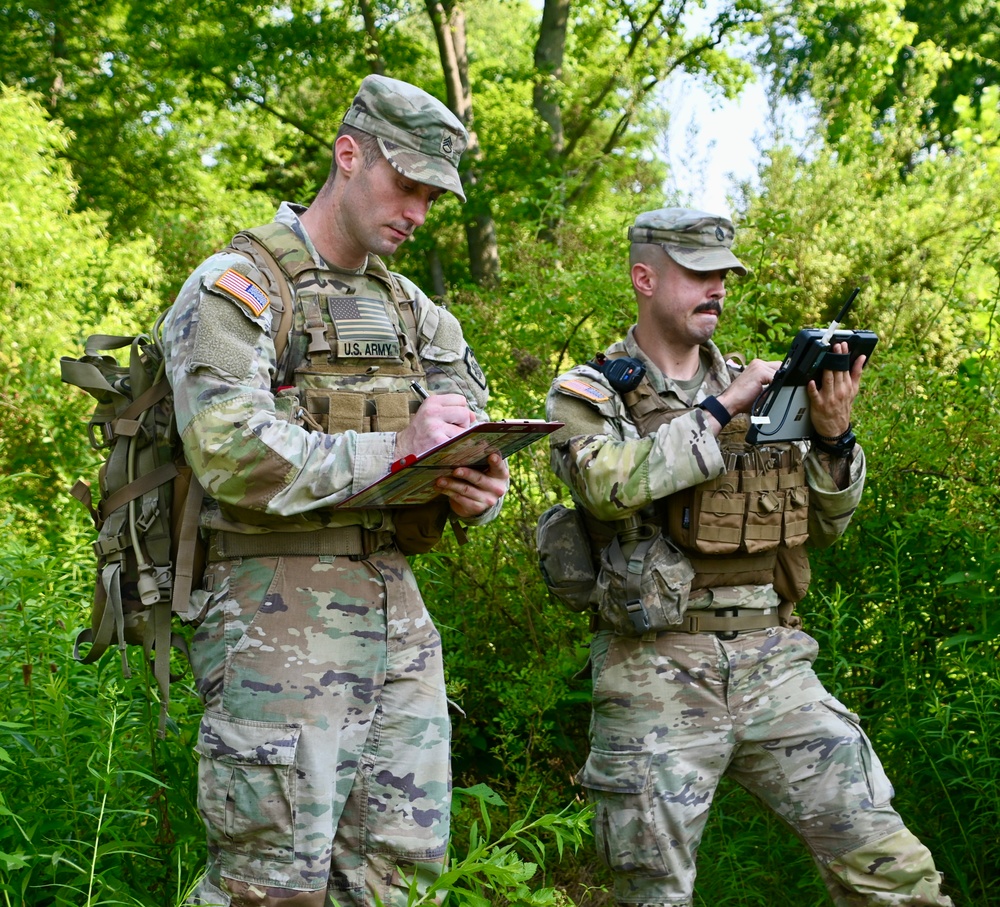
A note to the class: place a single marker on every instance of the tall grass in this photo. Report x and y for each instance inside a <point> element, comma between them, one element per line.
<point>95,807</point>
<point>96,810</point>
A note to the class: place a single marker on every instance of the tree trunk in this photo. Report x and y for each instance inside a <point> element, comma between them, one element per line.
<point>372,53</point>
<point>480,231</point>
<point>549,51</point>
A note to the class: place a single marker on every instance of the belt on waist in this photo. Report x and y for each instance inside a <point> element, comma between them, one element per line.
<point>728,622</point>
<point>355,541</point>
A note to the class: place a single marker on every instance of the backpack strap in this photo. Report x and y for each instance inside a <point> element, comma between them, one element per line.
<point>259,253</point>
<point>282,326</point>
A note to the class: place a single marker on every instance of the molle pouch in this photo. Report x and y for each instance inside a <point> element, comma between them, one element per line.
<point>765,512</point>
<point>795,531</point>
<point>792,573</point>
<point>643,584</point>
<point>392,411</point>
<point>419,529</point>
<point>709,518</point>
<point>564,556</point>
<point>336,411</point>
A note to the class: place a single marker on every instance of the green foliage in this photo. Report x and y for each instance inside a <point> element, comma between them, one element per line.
<point>496,871</point>
<point>879,58</point>
<point>913,645</point>
<point>183,124</point>
<point>181,115</point>
<point>62,277</point>
<point>96,809</point>
<point>923,249</point>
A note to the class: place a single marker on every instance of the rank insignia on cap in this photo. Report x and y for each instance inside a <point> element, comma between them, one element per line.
<point>245,290</point>
<point>579,388</point>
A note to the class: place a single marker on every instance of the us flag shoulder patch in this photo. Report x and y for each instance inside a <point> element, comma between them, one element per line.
<point>579,388</point>
<point>245,290</point>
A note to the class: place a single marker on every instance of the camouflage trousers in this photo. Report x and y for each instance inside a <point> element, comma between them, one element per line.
<point>324,774</point>
<point>674,712</point>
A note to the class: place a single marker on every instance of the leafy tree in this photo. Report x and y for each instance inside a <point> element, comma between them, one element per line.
<point>889,55</point>
<point>967,35</point>
<point>62,279</point>
<point>173,107</point>
<point>180,115</point>
<point>597,68</point>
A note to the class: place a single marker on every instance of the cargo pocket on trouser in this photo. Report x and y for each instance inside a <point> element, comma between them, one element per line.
<point>869,768</point>
<point>246,785</point>
<point>619,786</point>
<point>835,793</point>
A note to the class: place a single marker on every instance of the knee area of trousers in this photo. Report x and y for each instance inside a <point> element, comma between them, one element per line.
<point>247,894</point>
<point>897,869</point>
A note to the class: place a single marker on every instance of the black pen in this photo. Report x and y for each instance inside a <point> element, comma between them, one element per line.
<point>419,391</point>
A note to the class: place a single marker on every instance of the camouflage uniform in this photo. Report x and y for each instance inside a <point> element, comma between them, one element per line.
<point>324,747</point>
<point>674,711</point>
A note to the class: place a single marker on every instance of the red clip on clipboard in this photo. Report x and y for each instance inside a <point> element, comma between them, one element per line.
<point>410,480</point>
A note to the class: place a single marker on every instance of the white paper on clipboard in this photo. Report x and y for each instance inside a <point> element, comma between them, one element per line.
<point>411,480</point>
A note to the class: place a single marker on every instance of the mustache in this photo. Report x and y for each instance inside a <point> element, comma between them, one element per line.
<point>712,305</point>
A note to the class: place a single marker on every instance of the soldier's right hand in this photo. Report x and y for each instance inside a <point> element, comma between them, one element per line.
<point>740,395</point>
<point>440,418</point>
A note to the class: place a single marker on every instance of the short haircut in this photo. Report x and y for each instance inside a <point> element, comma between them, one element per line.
<point>370,153</point>
<point>370,150</point>
<point>644,252</point>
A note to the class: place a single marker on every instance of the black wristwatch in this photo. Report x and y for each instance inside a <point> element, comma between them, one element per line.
<point>717,409</point>
<point>840,446</point>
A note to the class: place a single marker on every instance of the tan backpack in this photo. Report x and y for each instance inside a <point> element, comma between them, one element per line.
<point>149,549</point>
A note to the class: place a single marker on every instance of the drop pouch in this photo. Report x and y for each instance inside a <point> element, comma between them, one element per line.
<point>643,582</point>
<point>564,556</point>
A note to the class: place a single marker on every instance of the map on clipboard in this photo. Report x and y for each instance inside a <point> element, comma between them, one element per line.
<point>411,479</point>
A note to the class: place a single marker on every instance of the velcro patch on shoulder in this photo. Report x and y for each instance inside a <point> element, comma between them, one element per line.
<point>244,291</point>
<point>584,389</point>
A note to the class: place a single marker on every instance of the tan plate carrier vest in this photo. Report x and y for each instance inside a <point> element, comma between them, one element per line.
<point>747,527</point>
<point>339,387</point>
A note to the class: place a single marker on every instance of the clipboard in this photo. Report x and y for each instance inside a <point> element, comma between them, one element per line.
<point>411,479</point>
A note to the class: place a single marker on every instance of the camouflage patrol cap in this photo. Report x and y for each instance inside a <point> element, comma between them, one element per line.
<point>418,135</point>
<point>695,239</point>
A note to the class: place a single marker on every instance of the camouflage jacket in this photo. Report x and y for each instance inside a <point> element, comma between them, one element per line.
<point>260,469</point>
<point>613,472</point>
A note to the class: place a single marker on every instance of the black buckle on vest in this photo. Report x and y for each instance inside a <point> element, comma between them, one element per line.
<point>727,635</point>
<point>637,614</point>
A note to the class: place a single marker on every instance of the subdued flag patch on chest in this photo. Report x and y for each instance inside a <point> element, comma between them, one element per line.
<point>244,290</point>
<point>579,388</point>
<point>363,327</point>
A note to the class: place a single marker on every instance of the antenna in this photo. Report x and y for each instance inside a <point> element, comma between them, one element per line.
<point>847,305</point>
<point>828,333</point>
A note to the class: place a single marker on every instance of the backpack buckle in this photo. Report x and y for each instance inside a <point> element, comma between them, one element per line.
<point>103,437</point>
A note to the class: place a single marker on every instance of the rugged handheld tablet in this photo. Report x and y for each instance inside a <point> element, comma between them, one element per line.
<point>781,412</point>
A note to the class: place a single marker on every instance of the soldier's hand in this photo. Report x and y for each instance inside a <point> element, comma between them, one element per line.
<point>472,491</point>
<point>440,418</point>
<point>830,404</point>
<point>746,387</point>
